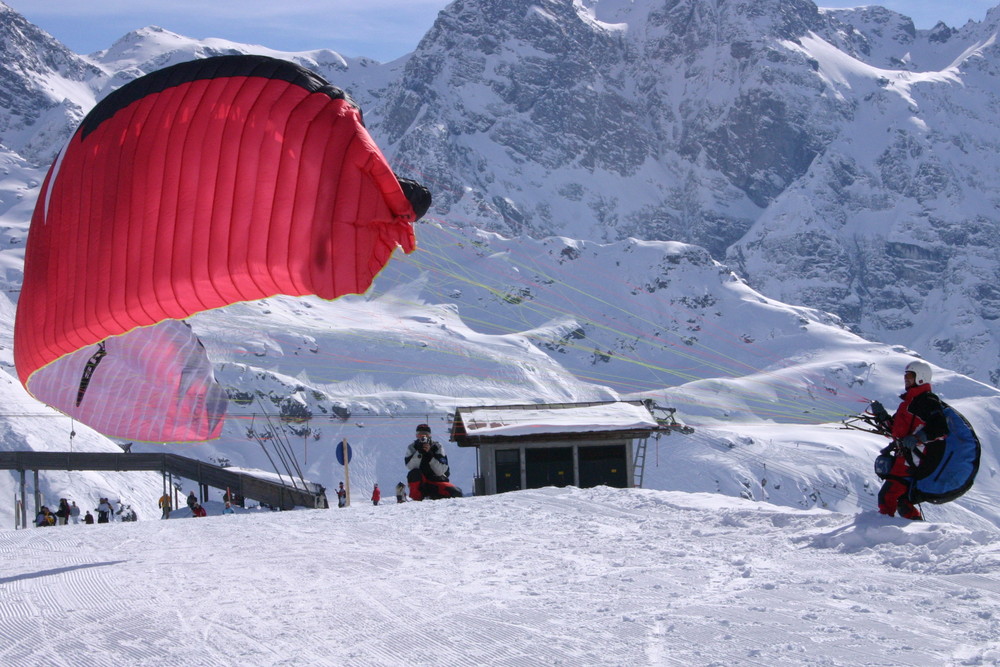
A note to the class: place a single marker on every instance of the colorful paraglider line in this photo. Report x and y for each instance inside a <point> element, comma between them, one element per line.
<point>463,272</point>
<point>699,355</point>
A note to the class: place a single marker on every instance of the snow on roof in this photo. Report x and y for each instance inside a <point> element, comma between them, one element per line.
<point>277,478</point>
<point>546,420</point>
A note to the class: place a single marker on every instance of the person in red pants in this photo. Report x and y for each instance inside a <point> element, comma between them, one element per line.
<point>428,468</point>
<point>918,428</point>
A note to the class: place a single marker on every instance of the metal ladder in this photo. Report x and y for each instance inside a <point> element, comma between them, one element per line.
<point>640,463</point>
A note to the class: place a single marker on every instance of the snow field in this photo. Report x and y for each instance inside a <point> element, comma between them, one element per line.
<point>551,576</point>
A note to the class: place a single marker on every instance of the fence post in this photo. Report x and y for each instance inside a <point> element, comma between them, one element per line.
<point>24,510</point>
<point>38,496</point>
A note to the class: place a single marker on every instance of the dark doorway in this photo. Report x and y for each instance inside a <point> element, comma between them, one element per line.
<point>508,470</point>
<point>603,465</point>
<point>552,466</point>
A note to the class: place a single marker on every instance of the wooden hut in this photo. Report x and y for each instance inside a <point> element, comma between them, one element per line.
<point>556,444</point>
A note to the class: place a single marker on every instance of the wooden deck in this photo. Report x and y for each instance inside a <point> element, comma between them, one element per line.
<point>277,495</point>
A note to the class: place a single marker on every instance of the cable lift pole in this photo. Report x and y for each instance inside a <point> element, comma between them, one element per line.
<point>260,441</point>
<point>666,422</point>
<point>284,452</point>
<point>281,448</point>
<point>286,444</point>
<point>290,450</point>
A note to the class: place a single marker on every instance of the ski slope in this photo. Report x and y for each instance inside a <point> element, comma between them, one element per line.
<point>543,577</point>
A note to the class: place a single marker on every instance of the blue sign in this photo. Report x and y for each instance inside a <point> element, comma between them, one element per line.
<point>340,452</point>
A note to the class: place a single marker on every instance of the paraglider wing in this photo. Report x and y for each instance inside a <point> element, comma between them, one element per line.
<point>197,186</point>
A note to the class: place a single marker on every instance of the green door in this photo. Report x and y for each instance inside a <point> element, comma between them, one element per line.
<point>508,465</point>
<point>603,465</point>
<point>550,466</point>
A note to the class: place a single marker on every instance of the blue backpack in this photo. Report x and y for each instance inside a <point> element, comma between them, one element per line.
<point>957,470</point>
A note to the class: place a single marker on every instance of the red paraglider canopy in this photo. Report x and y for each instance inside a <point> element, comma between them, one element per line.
<point>203,184</point>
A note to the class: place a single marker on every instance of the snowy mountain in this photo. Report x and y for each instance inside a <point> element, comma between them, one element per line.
<point>474,317</point>
<point>842,148</point>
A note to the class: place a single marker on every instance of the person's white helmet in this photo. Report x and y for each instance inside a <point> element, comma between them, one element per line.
<point>921,369</point>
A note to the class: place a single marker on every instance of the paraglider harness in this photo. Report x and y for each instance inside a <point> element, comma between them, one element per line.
<point>954,473</point>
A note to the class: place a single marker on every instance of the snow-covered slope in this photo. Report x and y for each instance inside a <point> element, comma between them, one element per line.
<point>893,226</point>
<point>547,577</point>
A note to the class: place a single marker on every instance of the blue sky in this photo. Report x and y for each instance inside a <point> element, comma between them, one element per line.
<point>380,29</point>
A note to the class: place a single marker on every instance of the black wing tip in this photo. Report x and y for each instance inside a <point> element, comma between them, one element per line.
<point>208,68</point>
<point>418,196</point>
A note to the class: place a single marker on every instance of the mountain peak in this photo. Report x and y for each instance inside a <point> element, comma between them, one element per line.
<point>699,121</point>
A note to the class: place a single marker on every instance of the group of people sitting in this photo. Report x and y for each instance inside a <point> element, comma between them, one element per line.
<point>69,511</point>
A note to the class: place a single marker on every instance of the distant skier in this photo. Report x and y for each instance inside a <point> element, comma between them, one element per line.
<point>341,496</point>
<point>401,493</point>
<point>104,511</point>
<point>74,512</point>
<point>192,500</point>
<point>376,495</point>
<point>166,505</point>
<point>63,512</point>
<point>428,468</point>
<point>918,429</point>
<point>198,510</point>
